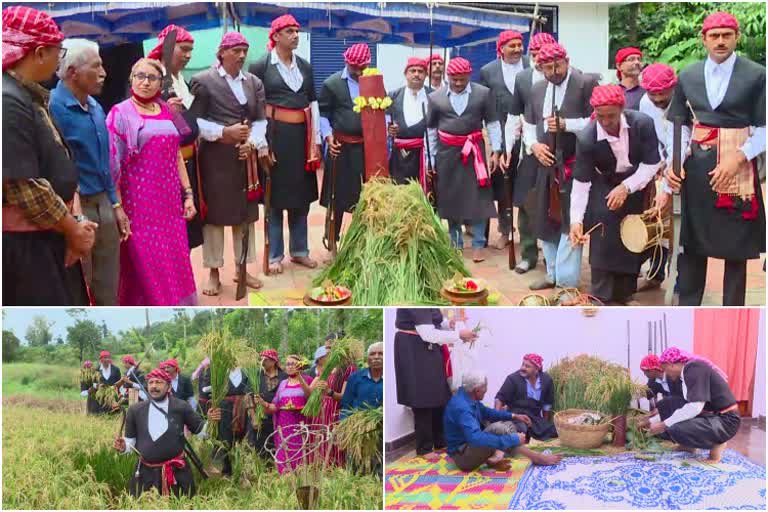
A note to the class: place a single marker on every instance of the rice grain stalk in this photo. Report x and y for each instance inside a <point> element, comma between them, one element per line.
<point>251,367</point>
<point>345,351</point>
<point>216,345</point>
<point>360,435</point>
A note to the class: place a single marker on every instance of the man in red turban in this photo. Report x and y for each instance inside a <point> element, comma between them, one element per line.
<point>294,131</point>
<point>408,125</point>
<point>609,184</point>
<point>436,71</point>
<point>499,75</point>
<point>658,384</point>
<point>132,378</point>
<point>42,240</point>
<point>629,65</point>
<point>562,91</point>
<point>342,131</point>
<point>154,428</point>
<point>457,115</point>
<point>529,394</point>
<point>723,212</point>
<point>231,109</point>
<point>181,385</point>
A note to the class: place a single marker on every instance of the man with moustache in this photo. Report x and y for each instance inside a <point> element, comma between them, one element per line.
<point>569,90</point>
<point>436,71</point>
<point>181,385</point>
<point>294,131</point>
<point>180,99</point>
<point>629,65</point>
<point>83,125</point>
<point>155,429</point>
<point>232,122</point>
<point>723,214</point>
<point>408,126</point>
<point>499,76</point>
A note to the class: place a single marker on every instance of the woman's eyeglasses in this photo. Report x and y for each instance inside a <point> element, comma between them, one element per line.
<point>140,77</point>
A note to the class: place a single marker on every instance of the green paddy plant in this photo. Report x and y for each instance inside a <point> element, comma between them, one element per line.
<point>345,351</point>
<point>360,435</point>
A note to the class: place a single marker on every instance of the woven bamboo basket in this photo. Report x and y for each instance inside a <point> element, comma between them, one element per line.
<point>579,436</point>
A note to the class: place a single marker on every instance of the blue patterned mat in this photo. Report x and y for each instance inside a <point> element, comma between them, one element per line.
<point>673,481</point>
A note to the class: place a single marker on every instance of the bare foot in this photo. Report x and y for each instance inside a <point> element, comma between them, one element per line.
<point>500,243</point>
<point>275,268</point>
<point>715,454</point>
<point>304,261</point>
<point>251,282</point>
<point>545,459</point>
<point>503,465</point>
<point>213,287</point>
<point>478,255</point>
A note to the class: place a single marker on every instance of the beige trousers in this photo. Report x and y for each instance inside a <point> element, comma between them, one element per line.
<point>213,244</point>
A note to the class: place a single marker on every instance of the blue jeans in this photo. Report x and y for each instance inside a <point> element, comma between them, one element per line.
<point>478,233</point>
<point>563,262</point>
<point>297,228</point>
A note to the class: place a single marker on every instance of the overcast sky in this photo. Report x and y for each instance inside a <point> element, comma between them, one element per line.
<point>118,319</point>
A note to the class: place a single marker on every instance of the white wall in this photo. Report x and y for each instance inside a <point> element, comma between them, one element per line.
<point>391,59</point>
<point>583,31</point>
<point>758,404</point>
<point>553,333</point>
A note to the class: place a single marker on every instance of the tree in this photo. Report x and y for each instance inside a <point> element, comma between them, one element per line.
<point>11,346</point>
<point>84,335</point>
<point>39,332</point>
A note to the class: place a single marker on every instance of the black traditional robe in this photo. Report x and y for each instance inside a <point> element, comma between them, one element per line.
<point>614,267</point>
<point>405,164</point>
<point>293,187</point>
<point>575,105</point>
<point>336,105</point>
<point>655,388</point>
<point>459,196</point>
<point>267,390</point>
<point>706,230</point>
<point>184,390</point>
<point>525,175</point>
<point>514,395</point>
<point>203,397</point>
<point>712,426</point>
<point>167,446</point>
<point>114,376</point>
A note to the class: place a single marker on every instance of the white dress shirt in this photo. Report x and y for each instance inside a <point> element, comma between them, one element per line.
<point>211,131</point>
<point>512,124</point>
<point>181,90</point>
<point>439,336</point>
<point>509,72</point>
<point>105,371</point>
<point>236,377</point>
<point>157,425</point>
<point>686,412</point>
<point>412,105</point>
<point>294,80</point>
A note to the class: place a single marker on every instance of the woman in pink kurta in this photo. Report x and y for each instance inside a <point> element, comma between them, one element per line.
<point>155,269</point>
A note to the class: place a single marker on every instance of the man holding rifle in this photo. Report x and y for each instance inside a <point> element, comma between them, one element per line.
<point>154,429</point>
<point>293,133</point>
<point>559,108</point>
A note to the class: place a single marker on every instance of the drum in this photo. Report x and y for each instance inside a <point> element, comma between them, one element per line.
<point>642,232</point>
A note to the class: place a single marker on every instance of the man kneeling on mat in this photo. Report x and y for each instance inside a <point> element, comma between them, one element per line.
<point>706,416</point>
<point>477,435</point>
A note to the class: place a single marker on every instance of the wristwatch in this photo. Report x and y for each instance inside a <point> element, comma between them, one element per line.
<point>329,392</point>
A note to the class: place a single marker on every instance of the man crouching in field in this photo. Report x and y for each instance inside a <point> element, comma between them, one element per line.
<point>155,429</point>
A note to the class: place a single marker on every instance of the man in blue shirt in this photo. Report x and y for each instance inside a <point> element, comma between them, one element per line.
<point>471,443</point>
<point>365,388</point>
<point>83,125</point>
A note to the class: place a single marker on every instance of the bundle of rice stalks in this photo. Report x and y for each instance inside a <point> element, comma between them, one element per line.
<point>360,435</point>
<point>251,368</point>
<point>107,396</point>
<point>107,466</point>
<point>396,251</point>
<point>345,351</point>
<point>89,376</point>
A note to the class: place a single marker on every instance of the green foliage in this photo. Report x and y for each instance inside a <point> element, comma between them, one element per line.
<point>42,380</point>
<point>39,331</point>
<point>11,346</point>
<point>671,32</point>
<point>84,336</point>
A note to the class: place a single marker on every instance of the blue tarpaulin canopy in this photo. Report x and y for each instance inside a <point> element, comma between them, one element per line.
<point>111,23</point>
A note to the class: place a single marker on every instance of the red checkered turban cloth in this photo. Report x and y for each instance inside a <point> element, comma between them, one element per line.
<point>658,77</point>
<point>435,56</point>
<point>233,39</point>
<point>358,55</point>
<point>534,359</point>
<point>622,55</point>
<point>650,362</point>
<point>539,40</point>
<point>607,95</point>
<point>506,37</point>
<point>415,61</point>
<point>278,24</point>
<point>104,353</point>
<point>551,53</point>
<point>182,36</point>
<point>157,373</point>
<point>129,360</point>
<point>714,20</point>
<point>87,364</point>
<point>459,66</point>
<point>24,29</point>
<point>170,362</point>
<point>271,353</point>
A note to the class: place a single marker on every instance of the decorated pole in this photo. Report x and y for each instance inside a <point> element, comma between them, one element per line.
<point>374,123</point>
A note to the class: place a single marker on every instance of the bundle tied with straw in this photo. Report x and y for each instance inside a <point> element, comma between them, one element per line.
<point>396,250</point>
<point>345,351</point>
<point>360,435</point>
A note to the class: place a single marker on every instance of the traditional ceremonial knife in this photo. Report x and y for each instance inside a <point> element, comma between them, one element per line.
<point>169,44</point>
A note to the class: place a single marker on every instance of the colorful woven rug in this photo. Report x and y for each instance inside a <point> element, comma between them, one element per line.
<point>673,481</point>
<point>434,482</point>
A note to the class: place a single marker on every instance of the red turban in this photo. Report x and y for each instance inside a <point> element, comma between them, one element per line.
<point>674,355</point>
<point>87,364</point>
<point>157,373</point>
<point>506,37</point>
<point>622,55</point>
<point>270,353</point>
<point>658,77</point>
<point>24,29</point>
<point>459,66</point>
<point>435,56</point>
<point>603,95</point>
<point>714,20</point>
<point>358,55</point>
<point>550,53</point>
<point>539,40</point>
<point>129,360</point>
<point>182,36</point>
<point>233,39</point>
<point>534,359</point>
<point>650,362</point>
<point>278,24</point>
<point>416,62</point>
<point>170,362</point>
<point>104,353</point>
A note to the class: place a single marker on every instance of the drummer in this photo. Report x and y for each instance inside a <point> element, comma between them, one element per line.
<point>617,156</point>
